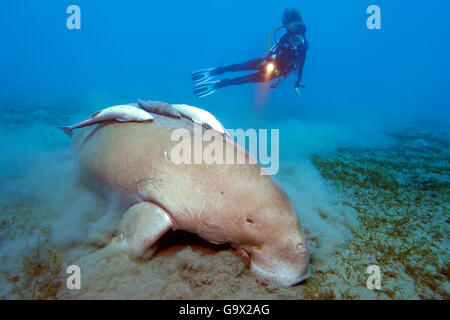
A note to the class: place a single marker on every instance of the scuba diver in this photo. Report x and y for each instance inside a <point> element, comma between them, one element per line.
<point>288,54</point>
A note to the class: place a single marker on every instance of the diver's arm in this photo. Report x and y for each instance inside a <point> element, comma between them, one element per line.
<point>301,63</point>
<point>276,48</point>
<point>273,51</point>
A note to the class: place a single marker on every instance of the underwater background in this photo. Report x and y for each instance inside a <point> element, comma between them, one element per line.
<point>364,151</point>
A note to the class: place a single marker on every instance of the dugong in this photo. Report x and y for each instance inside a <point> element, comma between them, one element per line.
<point>222,203</point>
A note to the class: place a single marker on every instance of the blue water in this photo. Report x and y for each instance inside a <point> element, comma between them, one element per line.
<point>147,49</point>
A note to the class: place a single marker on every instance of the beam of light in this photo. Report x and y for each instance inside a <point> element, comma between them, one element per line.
<point>261,97</point>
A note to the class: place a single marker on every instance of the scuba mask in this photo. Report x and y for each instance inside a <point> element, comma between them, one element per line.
<point>296,27</point>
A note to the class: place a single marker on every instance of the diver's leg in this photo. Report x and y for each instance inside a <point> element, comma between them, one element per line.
<point>142,225</point>
<point>251,78</point>
<point>254,64</point>
<point>206,88</point>
<point>202,76</point>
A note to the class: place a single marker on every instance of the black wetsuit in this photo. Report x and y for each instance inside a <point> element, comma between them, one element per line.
<point>287,59</point>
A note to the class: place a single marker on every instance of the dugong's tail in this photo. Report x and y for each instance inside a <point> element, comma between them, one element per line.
<point>67,130</point>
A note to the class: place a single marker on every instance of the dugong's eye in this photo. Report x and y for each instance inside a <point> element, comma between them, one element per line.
<point>300,247</point>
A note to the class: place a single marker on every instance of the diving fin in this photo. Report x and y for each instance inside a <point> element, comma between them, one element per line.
<point>205,88</point>
<point>203,75</point>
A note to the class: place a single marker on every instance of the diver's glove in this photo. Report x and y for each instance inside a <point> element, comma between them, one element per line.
<point>297,87</point>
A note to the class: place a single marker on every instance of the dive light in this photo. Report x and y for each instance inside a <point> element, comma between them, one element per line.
<point>270,67</point>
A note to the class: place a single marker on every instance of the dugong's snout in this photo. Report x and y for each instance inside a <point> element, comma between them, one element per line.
<point>279,251</point>
<point>286,264</point>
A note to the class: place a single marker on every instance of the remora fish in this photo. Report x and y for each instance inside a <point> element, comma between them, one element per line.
<point>200,116</point>
<point>121,113</point>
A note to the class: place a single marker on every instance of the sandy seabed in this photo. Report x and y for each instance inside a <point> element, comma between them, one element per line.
<point>384,206</point>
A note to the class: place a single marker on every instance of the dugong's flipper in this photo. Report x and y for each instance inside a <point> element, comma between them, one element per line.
<point>142,225</point>
<point>159,107</point>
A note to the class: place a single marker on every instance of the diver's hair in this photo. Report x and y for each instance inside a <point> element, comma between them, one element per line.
<point>291,15</point>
